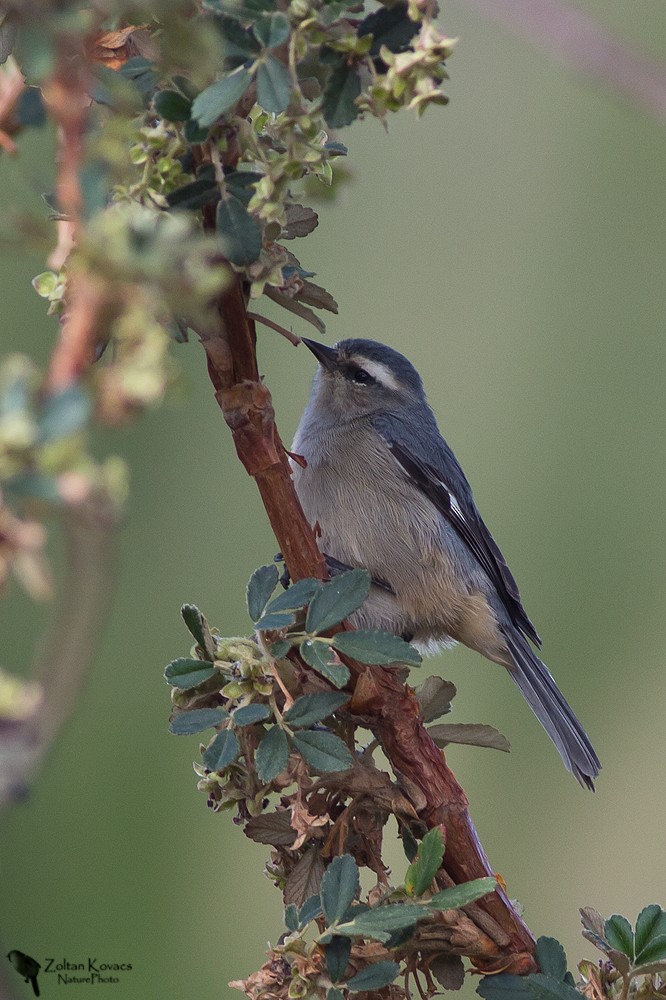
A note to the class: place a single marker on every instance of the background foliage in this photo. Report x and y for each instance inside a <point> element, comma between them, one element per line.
<point>517,259</point>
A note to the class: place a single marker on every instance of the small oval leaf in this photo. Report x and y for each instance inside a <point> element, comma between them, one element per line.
<point>272,755</point>
<point>338,598</point>
<point>324,752</point>
<point>185,673</point>
<point>187,723</point>
<point>223,751</point>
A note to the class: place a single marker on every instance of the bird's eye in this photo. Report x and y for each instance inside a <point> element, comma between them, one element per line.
<point>361,377</point>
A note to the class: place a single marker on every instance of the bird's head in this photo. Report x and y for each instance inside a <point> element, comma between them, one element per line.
<point>359,377</point>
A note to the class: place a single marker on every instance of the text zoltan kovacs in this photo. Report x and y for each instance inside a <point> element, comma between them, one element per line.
<point>91,971</point>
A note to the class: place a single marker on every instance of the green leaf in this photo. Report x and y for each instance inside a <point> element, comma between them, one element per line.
<point>382,921</point>
<point>389,26</point>
<point>551,958</point>
<point>374,976</point>
<point>323,751</point>
<point>333,994</point>
<point>427,863</point>
<point>185,673</point>
<point>342,88</point>
<point>654,951</point>
<point>196,194</point>
<point>651,922</point>
<point>34,50</point>
<point>172,106</point>
<point>544,988</point>
<point>297,596</point>
<point>242,235</point>
<point>321,658</point>
<point>223,751</point>
<point>435,696</point>
<point>337,953</point>
<point>239,44</point>
<point>278,620</point>
<point>280,648</point>
<point>472,734</point>
<point>188,723</point>
<point>197,626</point>
<point>64,414</point>
<point>371,646</point>
<point>339,887</point>
<point>310,909</point>
<point>249,714</point>
<point>337,599</point>
<point>314,708</point>
<point>241,184</point>
<point>461,895</point>
<point>194,132</point>
<point>260,586</point>
<point>271,31</point>
<point>503,987</point>
<point>273,86</point>
<point>291,917</point>
<point>220,97</point>
<point>618,933</point>
<point>272,754</point>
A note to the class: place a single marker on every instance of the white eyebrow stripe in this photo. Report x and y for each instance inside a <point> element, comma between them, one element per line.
<point>377,370</point>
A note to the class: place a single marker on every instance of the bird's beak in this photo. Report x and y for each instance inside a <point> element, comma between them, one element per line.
<point>326,356</point>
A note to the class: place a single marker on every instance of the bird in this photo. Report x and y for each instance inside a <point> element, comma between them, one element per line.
<point>384,492</point>
<point>25,966</point>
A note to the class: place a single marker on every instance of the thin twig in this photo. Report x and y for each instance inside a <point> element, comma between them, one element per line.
<point>287,334</point>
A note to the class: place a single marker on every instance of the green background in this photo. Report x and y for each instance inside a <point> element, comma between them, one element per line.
<point>513,246</point>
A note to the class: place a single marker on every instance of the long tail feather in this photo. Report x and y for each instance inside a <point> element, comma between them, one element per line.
<point>552,710</point>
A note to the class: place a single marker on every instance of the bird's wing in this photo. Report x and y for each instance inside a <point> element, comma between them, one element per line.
<point>450,493</point>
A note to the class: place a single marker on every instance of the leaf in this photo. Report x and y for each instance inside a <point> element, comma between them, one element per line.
<point>544,988</point>
<point>249,714</point>
<point>337,599</point>
<point>339,887</point>
<point>273,86</point>
<point>373,646</point>
<point>427,863</point>
<point>333,994</point>
<point>64,414</point>
<point>187,723</point>
<point>449,971</point>
<point>435,696</point>
<point>310,909</point>
<point>314,708</point>
<point>472,734</point>
<point>342,88</point>
<point>220,97</point>
<point>324,752</point>
<point>300,221</point>
<point>196,194</point>
<point>291,918</point>
<point>651,922</point>
<point>321,658</point>
<point>172,106</point>
<point>379,923</point>
<point>260,586</point>
<point>278,620</point>
<point>271,828</point>
<point>241,233</point>
<point>241,184</point>
<point>8,30</point>
<point>280,648</point>
<point>198,628</point>
<point>648,970</point>
<point>239,44</point>
<point>272,754</point>
<point>654,951</point>
<point>315,295</point>
<point>295,307</point>
<point>271,31</point>
<point>389,26</point>
<point>223,751</point>
<point>461,895</point>
<point>337,953</point>
<point>551,957</point>
<point>296,596</point>
<point>305,878</point>
<point>374,976</point>
<point>503,987</point>
<point>185,673</point>
<point>618,933</point>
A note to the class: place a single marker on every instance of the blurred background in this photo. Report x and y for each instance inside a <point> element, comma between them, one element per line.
<point>513,246</point>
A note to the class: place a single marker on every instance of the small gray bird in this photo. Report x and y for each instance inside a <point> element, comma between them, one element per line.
<point>387,493</point>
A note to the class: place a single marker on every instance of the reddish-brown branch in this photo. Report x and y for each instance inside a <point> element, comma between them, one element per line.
<point>503,941</point>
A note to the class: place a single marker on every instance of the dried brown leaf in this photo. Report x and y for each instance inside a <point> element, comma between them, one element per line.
<point>435,696</point>
<point>472,734</point>
<point>305,878</point>
<point>449,971</point>
<point>271,828</point>
<point>300,221</point>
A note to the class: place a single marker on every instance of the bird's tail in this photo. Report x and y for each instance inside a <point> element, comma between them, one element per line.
<point>552,710</point>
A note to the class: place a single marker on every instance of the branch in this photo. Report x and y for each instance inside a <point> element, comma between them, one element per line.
<point>574,38</point>
<point>503,941</point>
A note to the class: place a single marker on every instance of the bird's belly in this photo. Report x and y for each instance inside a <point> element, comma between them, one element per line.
<point>379,522</point>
